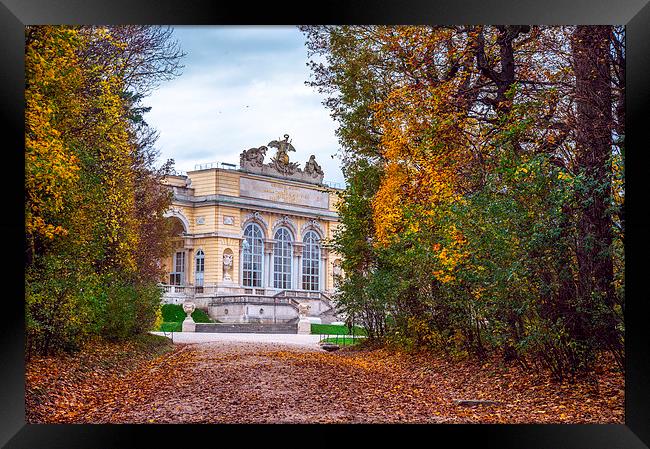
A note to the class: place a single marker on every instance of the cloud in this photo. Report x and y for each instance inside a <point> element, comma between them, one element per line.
<point>241,88</point>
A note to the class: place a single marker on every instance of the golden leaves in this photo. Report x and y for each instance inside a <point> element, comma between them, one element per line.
<point>75,109</point>
<point>51,168</point>
<point>421,134</point>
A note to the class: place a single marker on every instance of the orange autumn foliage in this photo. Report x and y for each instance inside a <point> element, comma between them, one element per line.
<point>422,143</point>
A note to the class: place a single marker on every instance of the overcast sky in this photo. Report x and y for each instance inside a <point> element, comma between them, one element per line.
<point>242,86</point>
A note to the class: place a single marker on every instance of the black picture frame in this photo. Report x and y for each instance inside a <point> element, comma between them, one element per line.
<point>635,14</point>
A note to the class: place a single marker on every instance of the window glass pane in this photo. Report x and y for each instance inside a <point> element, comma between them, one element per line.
<point>200,261</point>
<point>253,249</point>
<point>282,259</point>
<point>310,261</point>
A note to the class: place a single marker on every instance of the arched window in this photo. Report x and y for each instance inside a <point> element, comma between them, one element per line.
<point>252,256</point>
<point>199,269</point>
<point>282,259</point>
<point>311,262</point>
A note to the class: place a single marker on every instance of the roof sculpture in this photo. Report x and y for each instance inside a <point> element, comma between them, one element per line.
<point>252,160</point>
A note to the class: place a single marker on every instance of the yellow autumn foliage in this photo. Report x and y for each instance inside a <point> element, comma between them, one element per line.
<point>422,134</point>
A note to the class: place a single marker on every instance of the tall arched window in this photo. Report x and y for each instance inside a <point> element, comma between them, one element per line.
<point>282,259</point>
<point>252,256</point>
<point>311,262</point>
<point>199,269</point>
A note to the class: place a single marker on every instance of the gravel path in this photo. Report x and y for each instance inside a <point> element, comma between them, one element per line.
<point>204,337</point>
<point>244,382</point>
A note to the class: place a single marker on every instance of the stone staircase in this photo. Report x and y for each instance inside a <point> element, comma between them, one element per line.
<point>248,328</point>
<point>328,316</point>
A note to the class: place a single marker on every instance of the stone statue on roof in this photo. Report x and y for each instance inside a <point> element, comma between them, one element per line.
<point>312,167</point>
<point>281,159</point>
<point>283,146</point>
<point>253,156</point>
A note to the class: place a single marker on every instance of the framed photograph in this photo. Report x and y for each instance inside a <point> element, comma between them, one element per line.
<point>483,142</point>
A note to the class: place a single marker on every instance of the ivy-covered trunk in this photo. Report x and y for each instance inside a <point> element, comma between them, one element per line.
<point>593,92</point>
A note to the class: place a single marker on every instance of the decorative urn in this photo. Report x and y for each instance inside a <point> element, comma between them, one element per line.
<point>188,308</point>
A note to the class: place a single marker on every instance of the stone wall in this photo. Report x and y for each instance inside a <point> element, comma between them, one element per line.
<point>252,313</point>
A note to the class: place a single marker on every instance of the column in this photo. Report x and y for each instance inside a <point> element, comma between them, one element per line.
<point>294,271</point>
<point>297,273</point>
<point>299,286</point>
<point>268,265</point>
<point>241,264</point>
<point>189,276</point>
<point>323,273</point>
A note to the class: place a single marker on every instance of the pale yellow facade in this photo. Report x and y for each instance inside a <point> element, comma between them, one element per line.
<point>216,205</point>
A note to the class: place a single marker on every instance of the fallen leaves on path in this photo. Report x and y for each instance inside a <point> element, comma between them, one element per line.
<point>266,383</point>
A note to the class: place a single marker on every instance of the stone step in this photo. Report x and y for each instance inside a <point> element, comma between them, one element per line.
<point>248,328</point>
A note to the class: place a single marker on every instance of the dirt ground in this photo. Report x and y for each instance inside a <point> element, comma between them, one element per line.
<point>228,382</point>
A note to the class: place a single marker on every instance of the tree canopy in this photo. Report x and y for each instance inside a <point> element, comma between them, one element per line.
<point>93,198</point>
<point>484,207</point>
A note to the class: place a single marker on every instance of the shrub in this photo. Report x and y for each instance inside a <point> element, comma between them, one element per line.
<point>58,313</point>
<point>200,316</point>
<point>172,312</point>
<point>158,321</point>
<point>119,320</point>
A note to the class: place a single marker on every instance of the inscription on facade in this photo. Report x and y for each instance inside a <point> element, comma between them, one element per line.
<point>281,193</point>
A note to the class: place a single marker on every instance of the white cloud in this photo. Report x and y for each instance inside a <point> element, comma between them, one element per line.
<point>249,92</point>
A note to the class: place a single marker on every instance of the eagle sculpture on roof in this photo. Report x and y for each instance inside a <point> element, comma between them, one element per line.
<point>281,159</point>
<point>283,146</point>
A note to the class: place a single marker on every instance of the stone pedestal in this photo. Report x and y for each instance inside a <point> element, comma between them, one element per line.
<point>189,325</point>
<point>304,325</point>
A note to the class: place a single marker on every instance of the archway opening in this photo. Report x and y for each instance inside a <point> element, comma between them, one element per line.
<point>176,263</point>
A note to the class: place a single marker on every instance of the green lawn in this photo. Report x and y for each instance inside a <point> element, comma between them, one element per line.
<point>170,326</point>
<point>342,341</point>
<point>335,329</point>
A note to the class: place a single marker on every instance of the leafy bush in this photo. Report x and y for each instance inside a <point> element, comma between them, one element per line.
<point>199,316</point>
<point>65,306</point>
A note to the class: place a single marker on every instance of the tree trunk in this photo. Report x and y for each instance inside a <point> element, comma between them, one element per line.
<point>590,48</point>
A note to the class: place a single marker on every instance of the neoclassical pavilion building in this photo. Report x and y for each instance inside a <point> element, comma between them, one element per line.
<point>249,242</point>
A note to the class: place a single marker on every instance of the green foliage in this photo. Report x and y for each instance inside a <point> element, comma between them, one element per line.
<point>509,240</point>
<point>172,312</point>
<point>343,341</point>
<point>200,316</point>
<point>129,309</point>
